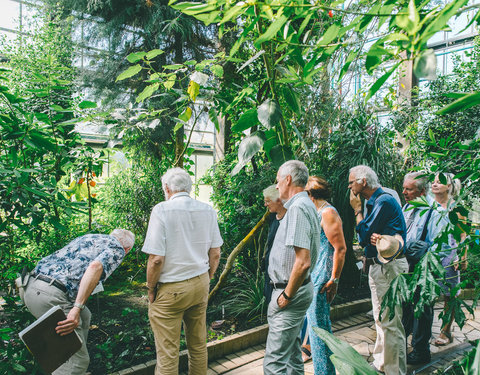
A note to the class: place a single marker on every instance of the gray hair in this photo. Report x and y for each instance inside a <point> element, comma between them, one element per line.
<point>419,178</point>
<point>363,171</point>
<point>271,193</point>
<point>177,179</point>
<point>125,237</point>
<point>297,169</point>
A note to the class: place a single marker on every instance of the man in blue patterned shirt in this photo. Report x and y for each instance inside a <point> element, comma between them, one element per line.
<point>67,277</point>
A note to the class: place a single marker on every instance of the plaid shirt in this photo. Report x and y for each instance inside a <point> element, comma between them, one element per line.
<point>299,227</point>
<point>68,264</point>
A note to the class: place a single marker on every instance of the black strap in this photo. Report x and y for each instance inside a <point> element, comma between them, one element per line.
<point>424,231</point>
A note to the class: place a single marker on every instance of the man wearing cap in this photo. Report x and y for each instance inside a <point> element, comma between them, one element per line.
<point>294,251</point>
<point>383,216</point>
<point>414,186</point>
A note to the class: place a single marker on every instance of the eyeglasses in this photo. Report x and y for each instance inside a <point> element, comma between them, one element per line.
<point>350,183</point>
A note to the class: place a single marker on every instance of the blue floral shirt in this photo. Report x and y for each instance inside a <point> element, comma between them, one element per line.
<point>68,264</point>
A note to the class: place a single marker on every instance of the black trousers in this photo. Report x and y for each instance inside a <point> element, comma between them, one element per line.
<point>420,328</point>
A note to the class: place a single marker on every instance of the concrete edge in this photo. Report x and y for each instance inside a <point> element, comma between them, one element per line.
<point>245,339</point>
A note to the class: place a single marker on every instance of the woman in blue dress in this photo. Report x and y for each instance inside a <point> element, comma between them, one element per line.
<point>326,273</point>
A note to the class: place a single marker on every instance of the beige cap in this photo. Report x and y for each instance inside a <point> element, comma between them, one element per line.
<point>389,247</point>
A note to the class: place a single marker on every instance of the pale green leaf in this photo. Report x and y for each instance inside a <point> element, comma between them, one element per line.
<point>247,149</point>
<point>135,57</point>
<point>269,113</point>
<point>153,53</point>
<point>379,83</point>
<point>272,30</point>
<point>147,92</point>
<point>130,72</point>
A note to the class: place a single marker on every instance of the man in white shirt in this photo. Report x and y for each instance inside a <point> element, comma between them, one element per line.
<point>183,242</point>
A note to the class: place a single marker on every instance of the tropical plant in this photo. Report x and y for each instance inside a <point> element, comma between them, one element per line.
<point>346,360</point>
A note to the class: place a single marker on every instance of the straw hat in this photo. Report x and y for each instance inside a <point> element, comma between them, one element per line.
<point>389,247</point>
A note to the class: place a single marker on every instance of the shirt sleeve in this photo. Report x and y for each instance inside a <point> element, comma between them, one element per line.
<point>217,240</point>
<point>372,223</point>
<point>110,256</point>
<point>298,229</point>
<point>155,240</point>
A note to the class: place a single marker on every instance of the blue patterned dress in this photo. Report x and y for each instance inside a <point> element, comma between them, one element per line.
<point>318,314</point>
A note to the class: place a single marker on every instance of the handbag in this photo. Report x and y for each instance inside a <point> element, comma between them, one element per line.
<point>415,250</point>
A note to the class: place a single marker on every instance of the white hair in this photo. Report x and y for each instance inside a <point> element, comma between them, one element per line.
<point>297,169</point>
<point>271,193</point>
<point>419,178</point>
<point>177,180</point>
<point>124,236</point>
<point>363,171</point>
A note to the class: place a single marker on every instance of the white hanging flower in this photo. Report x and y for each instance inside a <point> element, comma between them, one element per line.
<point>200,78</point>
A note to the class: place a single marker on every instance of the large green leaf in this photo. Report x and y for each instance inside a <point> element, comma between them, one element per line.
<point>248,148</point>
<point>147,92</point>
<point>135,57</point>
<point>87,104</point>
<point>291,98</point>
<point>279,154</point>
<point>331,33</point>
<point>379,83</point>
<point>425,65</point>
<point>396,295</point>
<point>153,53</point>
<point>465,102</point>
<point>246,121</point>
<point>130,72</point>
<point>441,19</point>
<point>344,356</point>
<point>272,30</point>
<point>269,113</point>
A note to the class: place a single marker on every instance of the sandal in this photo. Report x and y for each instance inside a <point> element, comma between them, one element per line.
<point>443,341</point>
<point>306,353</point>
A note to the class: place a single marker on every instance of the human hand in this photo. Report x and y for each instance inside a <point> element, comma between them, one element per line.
<point>374,238</point>
<point>152,293</point>
<point>464,265</point>
<point>68,325</point>
<point>331,289</point>
<point>282,302</point>
<point>355,202</point>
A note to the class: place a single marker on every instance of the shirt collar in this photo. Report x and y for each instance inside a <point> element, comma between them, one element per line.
<point>180,194</point>
<point>294,198</point>
<point>374,196</point>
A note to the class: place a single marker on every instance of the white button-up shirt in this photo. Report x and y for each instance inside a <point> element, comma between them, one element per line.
<point>183,230</point>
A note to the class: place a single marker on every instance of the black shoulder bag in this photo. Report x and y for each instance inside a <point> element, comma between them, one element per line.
<point>415,250</point>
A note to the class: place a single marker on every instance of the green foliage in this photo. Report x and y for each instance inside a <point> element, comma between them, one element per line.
<point>129,196</point>
<point>346,360</point>
<point>245,297</point>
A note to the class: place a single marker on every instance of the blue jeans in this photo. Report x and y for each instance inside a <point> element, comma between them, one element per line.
<point>283,352</point>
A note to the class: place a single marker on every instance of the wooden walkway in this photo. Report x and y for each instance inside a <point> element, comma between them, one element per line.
<point>359,331</point>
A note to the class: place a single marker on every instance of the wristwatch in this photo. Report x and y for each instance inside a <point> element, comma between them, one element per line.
<point>335,280</point>
<point>79,305</point>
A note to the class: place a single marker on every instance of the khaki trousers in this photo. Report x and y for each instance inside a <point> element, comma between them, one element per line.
<point>389,353</point>
<point>39,297</point>
<point>184,300</point>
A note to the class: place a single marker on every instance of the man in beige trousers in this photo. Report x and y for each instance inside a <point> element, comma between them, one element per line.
<point>183,242</point>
